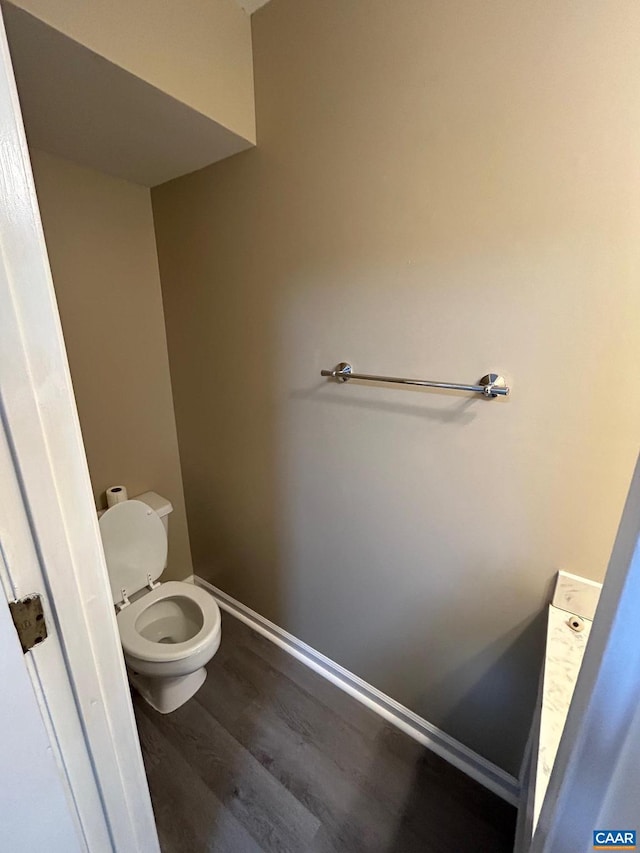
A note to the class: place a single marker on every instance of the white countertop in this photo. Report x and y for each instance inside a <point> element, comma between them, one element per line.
<point>565,647</point>
<point>564,653</point>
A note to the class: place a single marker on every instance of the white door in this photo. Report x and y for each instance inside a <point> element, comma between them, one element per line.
<point>37,802</point>
<point>71,772</point>
<point>36,812</point>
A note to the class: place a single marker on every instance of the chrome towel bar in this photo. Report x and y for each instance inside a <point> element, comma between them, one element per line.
<point>491,385</point>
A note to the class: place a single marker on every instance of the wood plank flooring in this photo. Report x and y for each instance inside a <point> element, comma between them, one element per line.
<point>268,756</point>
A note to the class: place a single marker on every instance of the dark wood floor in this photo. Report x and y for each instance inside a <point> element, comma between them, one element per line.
<point>268,756</point>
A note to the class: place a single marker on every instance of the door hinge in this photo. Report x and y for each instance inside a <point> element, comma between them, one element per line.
<point>29,620</point>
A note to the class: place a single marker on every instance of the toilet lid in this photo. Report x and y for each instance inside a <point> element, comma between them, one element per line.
<point>135,546</point>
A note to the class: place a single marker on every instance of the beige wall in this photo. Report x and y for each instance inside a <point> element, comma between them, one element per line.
<point>198,51</point>
<point>440,189</point>
<point>100,240</point>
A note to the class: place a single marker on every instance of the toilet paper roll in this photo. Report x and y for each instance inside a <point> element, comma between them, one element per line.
<point>116,495</point>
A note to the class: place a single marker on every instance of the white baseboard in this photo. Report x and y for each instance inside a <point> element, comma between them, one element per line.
<point>456,753</point>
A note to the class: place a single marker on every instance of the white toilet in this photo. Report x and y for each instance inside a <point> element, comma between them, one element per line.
<point>168,631</point>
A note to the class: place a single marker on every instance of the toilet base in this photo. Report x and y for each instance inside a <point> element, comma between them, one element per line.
<point>167,694</point>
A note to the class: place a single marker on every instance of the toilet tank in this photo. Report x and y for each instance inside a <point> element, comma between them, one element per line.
<point>161,505</point>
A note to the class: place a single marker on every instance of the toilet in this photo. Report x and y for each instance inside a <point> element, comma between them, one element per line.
<point>169,631</point>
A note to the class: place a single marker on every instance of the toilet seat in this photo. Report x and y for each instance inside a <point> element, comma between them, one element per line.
<point>135,547</point>
<point>142,648</point>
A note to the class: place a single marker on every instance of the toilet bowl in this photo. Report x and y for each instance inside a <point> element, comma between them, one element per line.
<point>169,631</point>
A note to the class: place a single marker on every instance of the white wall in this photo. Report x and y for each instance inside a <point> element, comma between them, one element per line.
<point>198,51</point>
<point>101,246</point>
<point>441,189</point>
